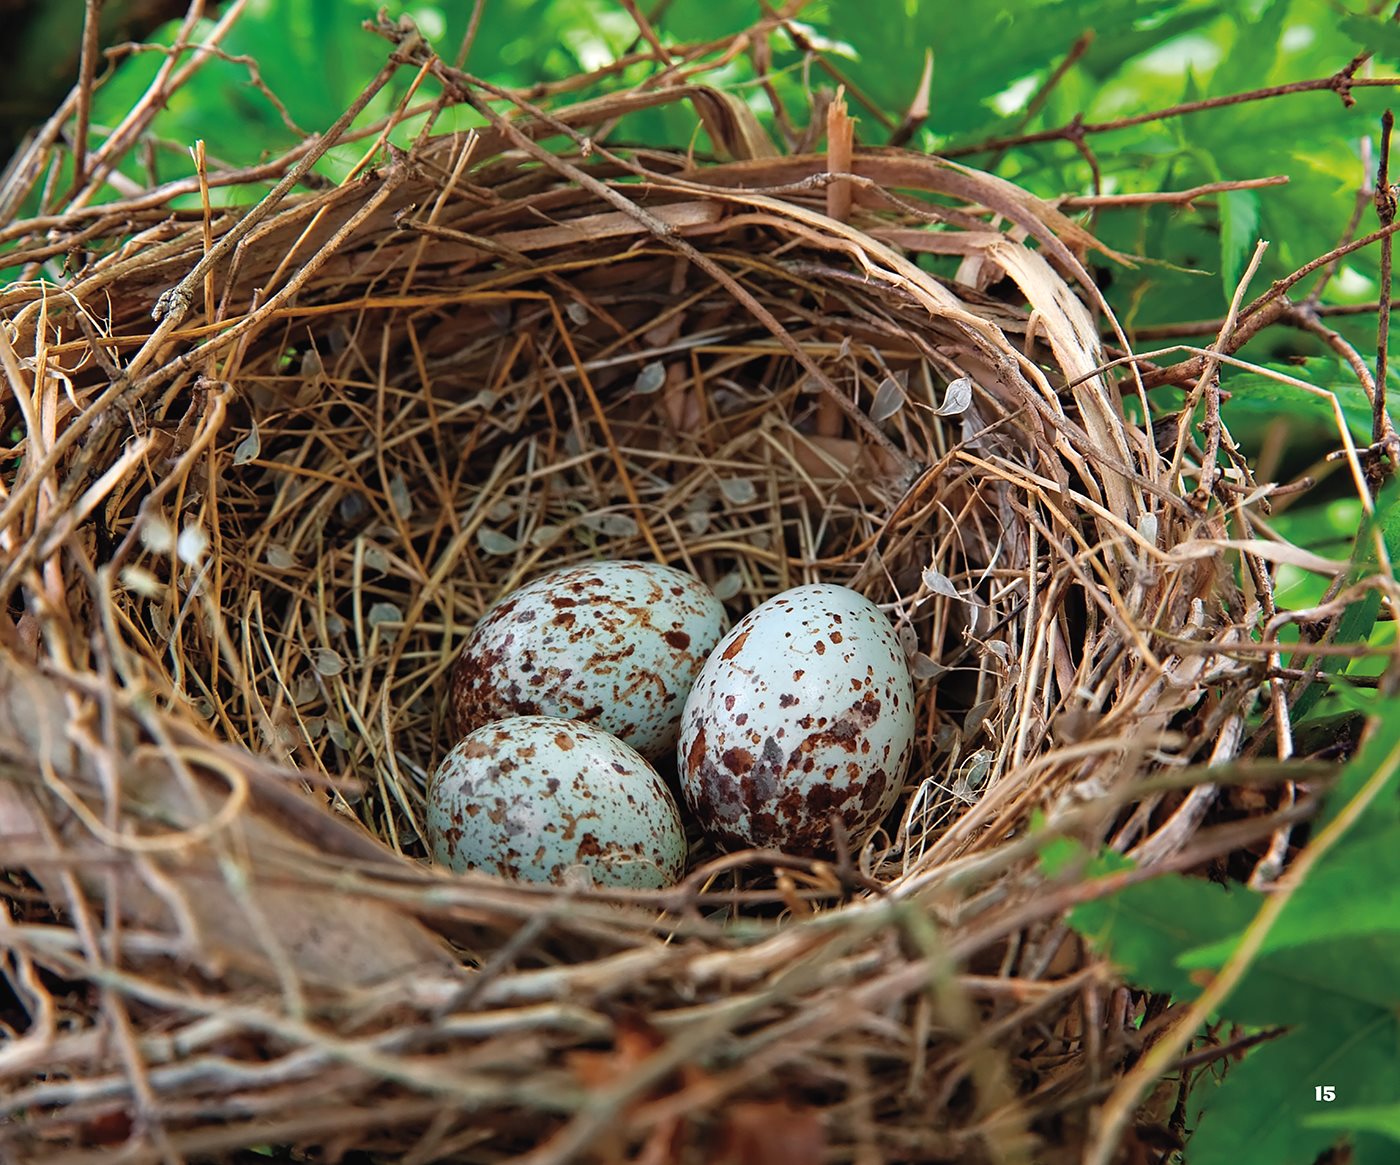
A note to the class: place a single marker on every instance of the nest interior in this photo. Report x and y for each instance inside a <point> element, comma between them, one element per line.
<point>242,543</point>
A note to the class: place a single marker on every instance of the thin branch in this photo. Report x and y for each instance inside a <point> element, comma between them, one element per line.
<point>872,107</point>
<point>1042,95</point>
<point>1385,211</point>
<point>1364,196</point>
<point>1210,327</point>
<point>175,301</point>
<point>87,71</point>
<point>648,33</point>
<point>1263,311</point>
<point>1341,83</point>
<point>1169,197</point>
<point>1304,319</point>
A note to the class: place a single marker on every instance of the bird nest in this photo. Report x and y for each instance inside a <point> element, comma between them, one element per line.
<point>269,464</point>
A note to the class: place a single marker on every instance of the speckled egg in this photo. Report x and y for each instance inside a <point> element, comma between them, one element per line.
<point>615,644</point>
<point>534,796</point>
<point>804,709</point>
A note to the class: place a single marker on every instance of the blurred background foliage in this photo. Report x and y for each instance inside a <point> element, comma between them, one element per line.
<point>989,63</point>
<point>1004,68</point>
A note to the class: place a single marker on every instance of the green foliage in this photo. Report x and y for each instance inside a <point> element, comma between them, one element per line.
<point>1239,223</point>
<point>1383,1118</point>
<point>1358,621</point>
<point>1257,400</point>
<point>1328,970</point>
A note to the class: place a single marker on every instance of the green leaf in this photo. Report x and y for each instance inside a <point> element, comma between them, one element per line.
<point>1239,232</point>
<point>1259,1112</point>
<point>1144,928</point>
<point>1381,1118</point>
<point>1380,750</point>
<point>1376,36</point>
<point>1354,892</point>
<point>1257,399</point>
<point>1359,619</point>
<point>1329,969</point>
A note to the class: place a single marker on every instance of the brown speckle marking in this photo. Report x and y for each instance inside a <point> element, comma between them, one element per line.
<point>736,646</point>
<point>738,761</point>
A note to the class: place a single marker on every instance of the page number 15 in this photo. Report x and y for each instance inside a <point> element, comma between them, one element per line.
<point>1324,1092</point>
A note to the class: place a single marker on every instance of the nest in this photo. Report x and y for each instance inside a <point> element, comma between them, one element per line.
<point>242,543</point>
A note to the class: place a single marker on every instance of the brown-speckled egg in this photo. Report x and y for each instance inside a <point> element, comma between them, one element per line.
<point>533,797</point>
<point>804,709</point>
<point>615,644</point>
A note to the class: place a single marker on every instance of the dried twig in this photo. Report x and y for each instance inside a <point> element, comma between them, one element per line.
<point>1341,83</point>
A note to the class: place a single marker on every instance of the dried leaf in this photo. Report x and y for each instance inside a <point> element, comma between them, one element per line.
<point>925,667</point>
<point>650,379</point>
<point>325,937</point>
<point>889,399</point>
<point>1147,527</point>
<point>327,661</point>
<point>957,399</point>
<point>248,449</point>
<point>380,613</point>
<point>352,508</point>
<point>494,542</point>
<point>1283,552</point>
<point>279,556</point>
<point>729,586</point>
<point>976,715</point>
<point>306,688</point>
<point>399,497</point>
<point>376,559</point>
<point>634,1042</point>
<point>610,525</point>
<point>739,491</point>
<point>939,583</point>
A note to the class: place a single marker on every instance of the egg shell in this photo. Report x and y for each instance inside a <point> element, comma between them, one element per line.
<point>804,709</point>
<point>615,644</point>
<point>531,797</point>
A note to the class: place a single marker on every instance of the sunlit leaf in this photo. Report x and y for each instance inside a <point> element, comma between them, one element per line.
<point>1239,224</point>
<point>889,399</point>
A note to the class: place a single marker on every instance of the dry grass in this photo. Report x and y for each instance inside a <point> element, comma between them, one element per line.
<point>241,544</point>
